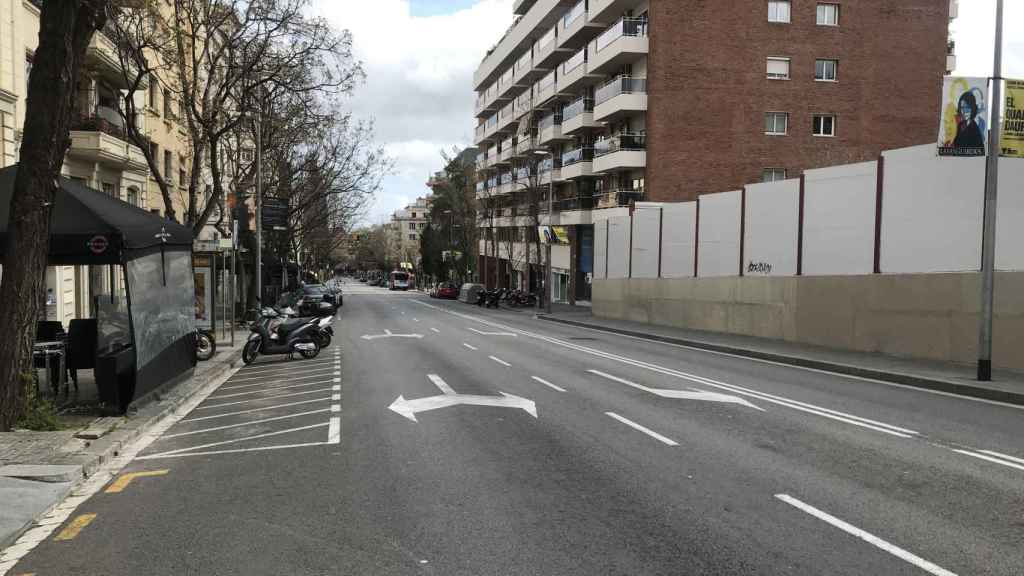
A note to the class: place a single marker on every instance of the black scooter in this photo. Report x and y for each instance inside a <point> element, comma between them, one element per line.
<point>291,336</point>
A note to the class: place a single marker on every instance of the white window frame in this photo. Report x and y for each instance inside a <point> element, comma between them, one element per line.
<point>834,6</point>
<point>778,4</point>
<point>835,69</point>
<point>776,114</point>
<point>774,172</point>
<point>814,119</point>
<point>770,59</point>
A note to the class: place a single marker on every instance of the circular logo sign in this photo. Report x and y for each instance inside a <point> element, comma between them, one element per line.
<point>98,244</point>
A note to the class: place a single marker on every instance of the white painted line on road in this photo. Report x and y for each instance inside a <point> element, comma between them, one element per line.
<point>415,319</point>
<point>866,536</point>
<point>235,451</point>
<point>620,380</point>
<point>284,366</point>
<point>251,410</point>
<point>272,389</point>
<point>335,407</point>
<point>698,395</point>
<point>548,384</point>
<point>335,397</point>
<point>794,404</point>
<point>500,361</point>
<point>264,379</point>
<point>441,384</point>
<point>235,440</point>
<point>470,346</point>
<point>336,388</point>
<point>643,429</point>
<point>482,333</point>
<point>989,458</point>
<point>436,330</point>
<point>249,423</point>
<point>263,399</point>
<point>272,382</point>
<point>1003,456</point>
<point>334,431</point>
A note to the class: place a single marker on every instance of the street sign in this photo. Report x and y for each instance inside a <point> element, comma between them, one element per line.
<point>275,213</point>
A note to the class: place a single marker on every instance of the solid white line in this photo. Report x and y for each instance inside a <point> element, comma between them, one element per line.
<point>620,380</point>
<point>235,451</point>
<point>441,384</point>
<point>336,388</point>
<point>251,410</point>
<point>990,459</point>
<point>263,399</point>
<point>250,423</point>
<point>285,366</point>
<point>272,382</point>
<point>335,397</point>
<point>1003,456</point>
<point>436,330</point>
<point>500,361</point>
<point>234,440</point>
<point>334,431</point>
<point>335,407</point>
<point>643,429</point>
<point>266,390</point>
<point>279,376</point>
<point>548,384</point>
<point>867,537</point>
<point>469,346</point>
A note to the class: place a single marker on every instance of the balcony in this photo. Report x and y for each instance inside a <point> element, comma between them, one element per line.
<point>526,145</point>
<point>623,95</point>
<point>575,28</point>
<point>508,147</point>
<point>99,139</point>
<point>481,161</point>
<point>492,157</point>
<point>606,10</point>
<point>524,103</point>
<point>506,82</point>
<point>578,116</point>
<point>545,89</point>
<point>479,134</point>
<point>578,163</point>
<point>574,72</point>
<point>623,152</point>
<point>506,183</point>
<point>523,72</point>
<point>102,60</point>
<point>507,117</point>
<point>622,43</point>
<point>492,127</point>
<point>617,198</point>
<point>549,129</point>
<point>546,52</point>
<point>550,170</point>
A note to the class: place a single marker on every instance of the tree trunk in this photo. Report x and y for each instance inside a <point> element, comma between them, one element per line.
<point>65,28</point>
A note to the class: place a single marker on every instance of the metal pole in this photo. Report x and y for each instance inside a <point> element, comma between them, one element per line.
<point>988,245</point>
<point>259,214</point>
<point>551,203</point>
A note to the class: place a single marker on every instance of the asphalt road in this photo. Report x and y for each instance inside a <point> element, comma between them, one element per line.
<point>458,441</point>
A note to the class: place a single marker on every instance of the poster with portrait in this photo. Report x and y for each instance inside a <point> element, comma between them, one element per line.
<point>1011,142</point>
<point>963,130</point>
<point>204,296</point>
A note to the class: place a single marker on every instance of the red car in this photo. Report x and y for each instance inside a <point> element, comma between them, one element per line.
<point>448,291</point>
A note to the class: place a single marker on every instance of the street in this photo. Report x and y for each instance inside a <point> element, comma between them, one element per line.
<point>434,437</point>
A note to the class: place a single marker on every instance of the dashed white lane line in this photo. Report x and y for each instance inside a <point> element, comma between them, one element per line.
<point>436,330</point>
<point>866,536</point>
<point>644,429</point>
<point>995,457</point>
<point>548,384</point>
<point>471,347</point>
<point>500,361</point>
<point>249,423</point>
<point>251,410</point>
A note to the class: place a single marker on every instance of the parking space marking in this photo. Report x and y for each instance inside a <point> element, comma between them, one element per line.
<point>263,399</point>
<point>247,423</point>
<point>76,526</point>
<point>436,330</point>
<point>121,483</point>
<point>232,441</point>
<point>334,431</point>
<point>309,374</point>
<point>287,366</point>
<point>251,410</point>
<point>269,390</point>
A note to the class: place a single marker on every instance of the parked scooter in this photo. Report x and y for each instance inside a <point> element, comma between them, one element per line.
<point>324,330</point>
<point>206,346</point>
<point>288,337</point>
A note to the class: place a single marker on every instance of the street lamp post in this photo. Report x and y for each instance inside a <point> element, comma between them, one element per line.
<point>549,276</point>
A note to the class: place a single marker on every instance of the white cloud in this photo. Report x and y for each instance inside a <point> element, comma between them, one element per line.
<point>419,81</point>
<point>974,32</point>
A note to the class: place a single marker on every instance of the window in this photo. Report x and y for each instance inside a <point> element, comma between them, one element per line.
<point>108,188</point>
<point>133,196</point>
<point>153,87</point>
<point>154,151</point>
<point>778,68</point>
<point>412,225</point>
<point>824,125</point>
<point>828,14</point>
<point>413,214</point>
<point>825,70</point>
<point>776,123</point>
<point>412,237</point>
<point>778,11</point>
<point>28,70</point>
<point>773,174</point>
<point>168,167</point>
<point>167,104</point>
<point>422,225</point>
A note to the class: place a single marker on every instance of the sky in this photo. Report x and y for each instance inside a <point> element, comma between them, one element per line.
<point>420,55</point>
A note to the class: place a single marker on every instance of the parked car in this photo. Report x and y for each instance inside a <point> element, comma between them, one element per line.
<point>310,300</point>
<point>447,291</point>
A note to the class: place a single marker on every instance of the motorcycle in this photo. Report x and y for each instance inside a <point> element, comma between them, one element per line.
<point>324,330</point>
<point>206,346</point>
<point>287,337</point>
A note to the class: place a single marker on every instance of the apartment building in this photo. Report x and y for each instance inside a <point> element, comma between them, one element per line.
<point>405,228</point>
<point>609,102</point>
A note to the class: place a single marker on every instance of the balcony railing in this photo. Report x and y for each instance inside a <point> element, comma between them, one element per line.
<point>584,154</point>
<point>620,142</point>
<point>617,198</point>
<point>574,13</point>
<point>492,121</point>
<point>506,178</point>
<point>578,59</point>
<point>492,182</point>
<point>547,81</point>
<point>525,62</point>
<point>506,79</point>
<point>620,85</point>
<point>549,121</point>
<point>481,129</point>
<point>523,173</point>
<point>546,40</point>
<point>626,27</point>
<point>526,143</point>
<point>101,122</point>
<point>578,107</point>
<point>547,164</point>
<point>577,203</point>
<point>524,102</point>
<point>480,187</point>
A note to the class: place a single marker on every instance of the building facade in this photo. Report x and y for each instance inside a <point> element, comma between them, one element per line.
<point>609,102</point>
<point>405,228</point>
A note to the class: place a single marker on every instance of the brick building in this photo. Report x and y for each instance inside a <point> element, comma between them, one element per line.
<point>608,102</point>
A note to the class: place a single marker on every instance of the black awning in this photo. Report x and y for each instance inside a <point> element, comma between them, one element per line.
<point>90,227</point>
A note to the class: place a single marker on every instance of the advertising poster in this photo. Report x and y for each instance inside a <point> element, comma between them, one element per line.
<point>963,130</point>
<point>204,297</point>
<point>556,235</point>
<point>1011,141</point>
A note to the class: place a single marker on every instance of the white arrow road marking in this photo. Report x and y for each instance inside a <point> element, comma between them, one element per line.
<point>866,536</point>
<point>409,408</point>
<point>388,334</point>
<point>482,333</point>
<point>680,394</point>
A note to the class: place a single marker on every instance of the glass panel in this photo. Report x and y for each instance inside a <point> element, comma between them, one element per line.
<point>162,312</point>
<point>778,68</point>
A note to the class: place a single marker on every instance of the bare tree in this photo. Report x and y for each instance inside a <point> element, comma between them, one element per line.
<point>65,29</point>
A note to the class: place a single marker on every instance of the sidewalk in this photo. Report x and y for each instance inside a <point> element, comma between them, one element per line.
<point>1007,386</point>
<point>38,469</point>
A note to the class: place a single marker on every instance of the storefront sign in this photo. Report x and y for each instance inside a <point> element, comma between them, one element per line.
<point>98,244</point>
<point>1011,143</point>
<point>963,130</point>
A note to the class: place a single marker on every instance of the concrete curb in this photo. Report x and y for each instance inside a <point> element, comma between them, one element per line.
<point>937,384</point>
<point>98,452</point>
